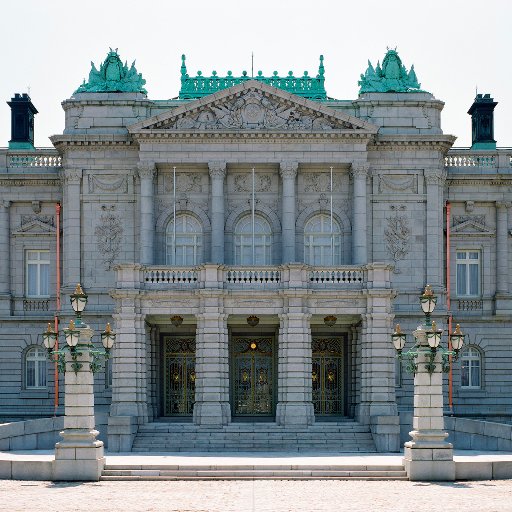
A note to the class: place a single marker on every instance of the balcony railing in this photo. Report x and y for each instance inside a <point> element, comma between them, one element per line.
<point>40,158</point>
<point>295,275</point>
<point>467,159</point>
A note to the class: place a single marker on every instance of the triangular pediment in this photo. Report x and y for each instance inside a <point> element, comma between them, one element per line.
<point>471,227</point>
<point>35,227</point>
<point>253,106</point>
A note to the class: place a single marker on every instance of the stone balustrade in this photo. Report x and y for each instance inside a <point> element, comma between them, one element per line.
<point>488,159</point>
<point>237,277</point>
<point>43,157</point>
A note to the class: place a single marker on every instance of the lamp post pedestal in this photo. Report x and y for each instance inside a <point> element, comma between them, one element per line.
<point>428,456</point>
<point>79,456</point>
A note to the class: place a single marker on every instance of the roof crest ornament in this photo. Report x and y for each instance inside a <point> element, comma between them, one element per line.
<point>113,76</point>
<point>306,86</point>
<point>391,77</point>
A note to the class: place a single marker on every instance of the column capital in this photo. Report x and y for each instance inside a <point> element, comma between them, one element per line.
<point>146,170</point>
<point>434,176</point>
<point>217,169</point>
<point>503,205</point>
<point>360,169</point>
<point>288,169</point>
<point>5,204</point>
<point>72,176</point>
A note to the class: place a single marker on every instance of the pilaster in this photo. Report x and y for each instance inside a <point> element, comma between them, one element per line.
<point>217,172</point>
<point>146,172</point>
<point>129,376</point>
<point>359,173</point>
<point>212,363</point>
<point>503,298</point>
<point>295,405</point>
<point>71,227</point>
<point>378,401</point>
<point>288,172</point>
<point>434,179</point>
<point>5,258</point>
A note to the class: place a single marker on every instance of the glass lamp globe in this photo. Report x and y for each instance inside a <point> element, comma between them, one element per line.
<point>457,338</point>
<point>72,335</point>
<point>78,299</point>
<point>434,336</point>
<point>49,338</point>
<point>428,300</point>
<point>108,338</point>
<point>398,338</point>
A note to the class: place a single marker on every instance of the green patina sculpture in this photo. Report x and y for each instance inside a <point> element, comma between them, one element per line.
<point>113,76</point>
<point>391,77</point>
<point>306,86</point>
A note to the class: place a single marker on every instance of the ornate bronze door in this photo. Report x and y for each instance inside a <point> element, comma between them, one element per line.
<point>327,376</point>
<point>252,375</point>
<point>179,375</point>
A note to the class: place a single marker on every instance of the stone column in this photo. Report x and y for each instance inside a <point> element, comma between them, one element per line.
<point>146,171</point>
<point>5,258</point>
<point>359,174</point>
<point>212,360</point>
<point>71,228</point>
<point>129,404</point>
<point>434,179</point>
<point>295,401</point>
<point>378,401</point>
<point>217,175</point>
<point>79,456</point>
<point>428,456</point>
<point>288,171</point>
<point>503,299</point>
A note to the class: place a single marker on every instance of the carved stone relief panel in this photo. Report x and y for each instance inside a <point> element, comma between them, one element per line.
<point>321,182</point>
<point>398,183</point>
<point>397,235</point>
<point>105,183</point>
<point>185,182</point>
<point>109,236</point>
<point>242,183</point>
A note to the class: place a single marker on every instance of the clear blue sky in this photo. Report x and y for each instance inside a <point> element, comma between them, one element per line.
<point>455,45</point>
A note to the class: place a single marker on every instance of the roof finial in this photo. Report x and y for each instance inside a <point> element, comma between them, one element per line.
<point>183,66</point>
<point>321,69</point>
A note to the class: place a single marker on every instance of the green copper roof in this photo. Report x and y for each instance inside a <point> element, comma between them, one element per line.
<point>306,86</point>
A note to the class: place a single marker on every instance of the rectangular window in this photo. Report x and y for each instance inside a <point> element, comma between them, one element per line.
<point>37,273</point>
<point>468,273</point>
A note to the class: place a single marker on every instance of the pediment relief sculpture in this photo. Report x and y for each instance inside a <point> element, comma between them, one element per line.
<point>253,106</point>
<point>470,225</point>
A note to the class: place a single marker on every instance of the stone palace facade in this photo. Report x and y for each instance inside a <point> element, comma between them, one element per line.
<point>253,242</point>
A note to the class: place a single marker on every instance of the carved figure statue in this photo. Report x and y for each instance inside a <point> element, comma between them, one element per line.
<point>113,76</point>
<point>391,77</point>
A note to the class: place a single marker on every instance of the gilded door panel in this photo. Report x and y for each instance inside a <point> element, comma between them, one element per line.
<point>252,375</point>
<point>179,375</point>
<point>327,376</point>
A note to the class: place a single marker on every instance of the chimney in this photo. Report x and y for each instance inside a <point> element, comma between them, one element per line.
<point>22,122</point>
<point>482,122</point>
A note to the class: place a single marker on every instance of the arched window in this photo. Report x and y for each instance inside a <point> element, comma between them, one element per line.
<point>247,252</point>
<point>35,368</point>
<point>320,248</point>
<point>189,241</point>
<point>471,368</point>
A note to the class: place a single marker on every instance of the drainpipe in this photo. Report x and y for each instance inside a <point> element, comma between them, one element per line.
<point>57,309</point>
<point>448,305</point>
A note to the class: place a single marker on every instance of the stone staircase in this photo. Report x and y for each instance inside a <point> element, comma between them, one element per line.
<point>328,437</point>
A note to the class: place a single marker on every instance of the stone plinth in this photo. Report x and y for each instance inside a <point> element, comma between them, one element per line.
<point>428,456</point>
<point>79,456</point>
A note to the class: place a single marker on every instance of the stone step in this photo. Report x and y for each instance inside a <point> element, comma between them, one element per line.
<point>269,473</point>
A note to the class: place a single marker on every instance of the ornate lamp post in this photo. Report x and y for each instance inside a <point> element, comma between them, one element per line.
<point>428,456</point>
<point>79,456</point>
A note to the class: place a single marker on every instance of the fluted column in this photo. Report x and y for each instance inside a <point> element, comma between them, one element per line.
<point>502,248</point>
<point>288,171</point>
<point>71,227</point>
<point>217,175</point>
<point>146,171</point>
<point>359,174</point>
<point>434,179</point>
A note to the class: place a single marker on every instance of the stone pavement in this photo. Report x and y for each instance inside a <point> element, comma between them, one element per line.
<point>257,496</point>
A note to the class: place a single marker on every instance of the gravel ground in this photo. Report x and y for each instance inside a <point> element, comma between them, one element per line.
<point>256,496</point>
